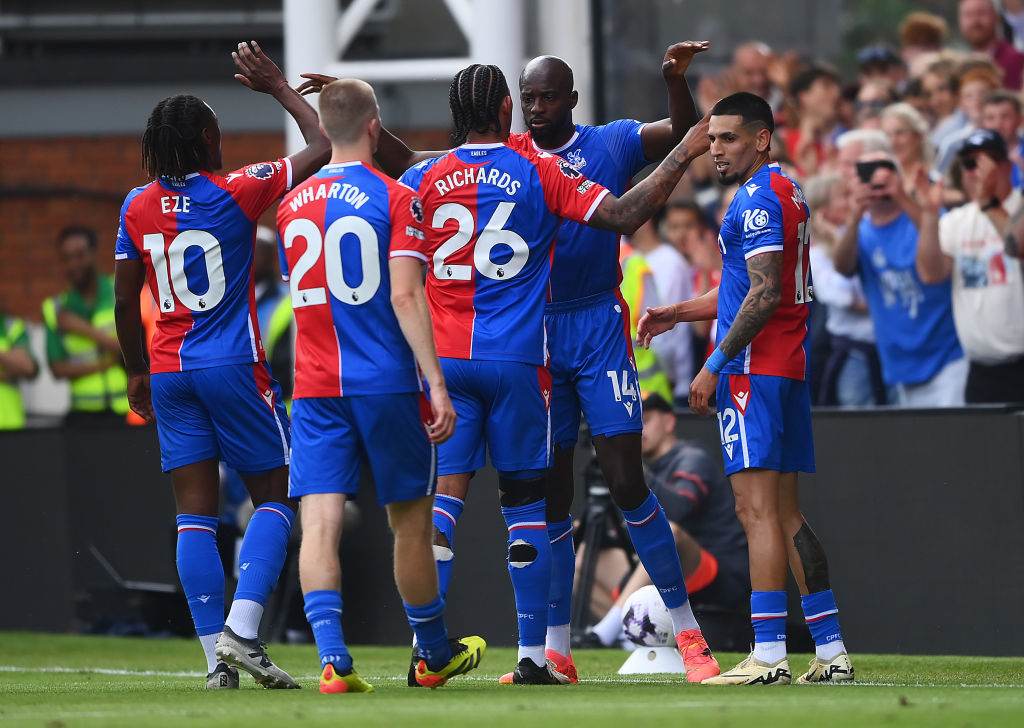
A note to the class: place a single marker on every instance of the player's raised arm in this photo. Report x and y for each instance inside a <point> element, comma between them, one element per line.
<point>260,73</point>
<point>410,305</point>
<point>129,277</point>
<point>393,155</point>
<point>659,137</point>
<point>627,213</point>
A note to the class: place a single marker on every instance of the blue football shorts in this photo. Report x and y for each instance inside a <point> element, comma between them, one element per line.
<point>500,404</point>
<point>333,436</point>
<point>592,368</point>
<point>765,422</point>
<point>234,412</point>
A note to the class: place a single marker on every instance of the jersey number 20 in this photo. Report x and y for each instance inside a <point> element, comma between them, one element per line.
<point>330,245</point>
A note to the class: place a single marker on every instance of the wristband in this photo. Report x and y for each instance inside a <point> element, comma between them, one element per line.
<point>992,203</point>
<point>716,362</point>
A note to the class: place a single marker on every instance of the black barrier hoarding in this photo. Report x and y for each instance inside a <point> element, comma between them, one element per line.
<point>921,513</point>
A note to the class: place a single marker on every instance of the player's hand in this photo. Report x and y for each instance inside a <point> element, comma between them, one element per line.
<point>139,397</point>
<point>678,56</point>
<point>314,83</point>
<point>701,389</point>
<point>696,140</point>
<point>442,426</point>
<point>258,72</point>
<point>655,321</point>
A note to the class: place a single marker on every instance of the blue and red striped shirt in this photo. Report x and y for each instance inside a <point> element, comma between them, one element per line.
<point>492,215</point>
<point>196,239</point>
<point>768,214</point>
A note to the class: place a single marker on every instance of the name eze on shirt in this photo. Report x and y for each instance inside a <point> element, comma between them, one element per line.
<point>176,203</point>
<point>335,191</point>
<point>479,176</point>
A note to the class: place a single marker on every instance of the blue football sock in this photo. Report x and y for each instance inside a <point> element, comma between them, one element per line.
<point>201,572</point>
<point>446,514</point>
<point>822,617</point>
<point>529,566</point>
<point>427,622</point>
<point>768,616</point>
<point>263,550</point>
<point>260,559</point>
<point>323,611</point>
<point>652,538</point>
<point>563,567</point>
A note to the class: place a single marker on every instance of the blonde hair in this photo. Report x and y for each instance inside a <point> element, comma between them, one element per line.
<point>345,107</point>
<point>917,123</point>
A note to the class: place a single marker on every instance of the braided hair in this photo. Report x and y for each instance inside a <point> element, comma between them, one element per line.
<point>173,145</point>
<point>475,97</point>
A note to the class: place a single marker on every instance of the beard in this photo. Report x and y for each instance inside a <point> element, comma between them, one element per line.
<point>728,178</point>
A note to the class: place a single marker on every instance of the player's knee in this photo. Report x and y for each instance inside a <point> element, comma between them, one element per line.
<point>516,492</point>
<point>521,554</point>
<point>440,539</point>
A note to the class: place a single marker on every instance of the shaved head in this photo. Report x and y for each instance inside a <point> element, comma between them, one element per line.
<point>346,106</point>
<point>549,71</point>
<point>547,98</point>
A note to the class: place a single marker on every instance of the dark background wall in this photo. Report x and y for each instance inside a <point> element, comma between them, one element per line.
<point>922,514</point>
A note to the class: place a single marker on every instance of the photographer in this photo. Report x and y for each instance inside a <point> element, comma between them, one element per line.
<point>698,501</point>
<point>922,363</point>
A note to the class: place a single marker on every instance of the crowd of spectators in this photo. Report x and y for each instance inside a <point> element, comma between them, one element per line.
<point>911,171</point>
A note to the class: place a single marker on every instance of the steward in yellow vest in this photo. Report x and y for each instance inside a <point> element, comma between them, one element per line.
<point>638,291</point>
<point>16,362</point>
<point>81,343</point>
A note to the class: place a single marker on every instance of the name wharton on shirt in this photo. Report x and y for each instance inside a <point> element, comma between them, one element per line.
<point>479,176</point>
<point>335,191</point>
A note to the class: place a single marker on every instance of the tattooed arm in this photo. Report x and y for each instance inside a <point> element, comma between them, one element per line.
<point>627,213</point>
<point>765,272</point>
<point>1013,233</point>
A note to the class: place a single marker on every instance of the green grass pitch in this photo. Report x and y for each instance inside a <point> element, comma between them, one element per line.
<point>61,681</point>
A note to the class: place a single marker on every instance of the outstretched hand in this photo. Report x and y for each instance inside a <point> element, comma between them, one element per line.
<point>258,71</point>
<point>314,83</point>
<point>654,322</point>
<point>678,56</point>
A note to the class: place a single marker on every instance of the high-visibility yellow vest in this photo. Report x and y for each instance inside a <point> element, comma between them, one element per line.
<point>638,291</point>
<point>101,390</point>
<point>12,409</point>
<point>276,335</point>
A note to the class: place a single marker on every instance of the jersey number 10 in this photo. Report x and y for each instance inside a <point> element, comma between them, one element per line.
<point>169,269</point>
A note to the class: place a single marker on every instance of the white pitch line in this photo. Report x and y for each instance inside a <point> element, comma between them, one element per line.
<point>480,678</point>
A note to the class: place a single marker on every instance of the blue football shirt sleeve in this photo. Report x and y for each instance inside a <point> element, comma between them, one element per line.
<point>413,177</point>
<point>622,137</point>
<point>760,222</point>
<point>124,248</point>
